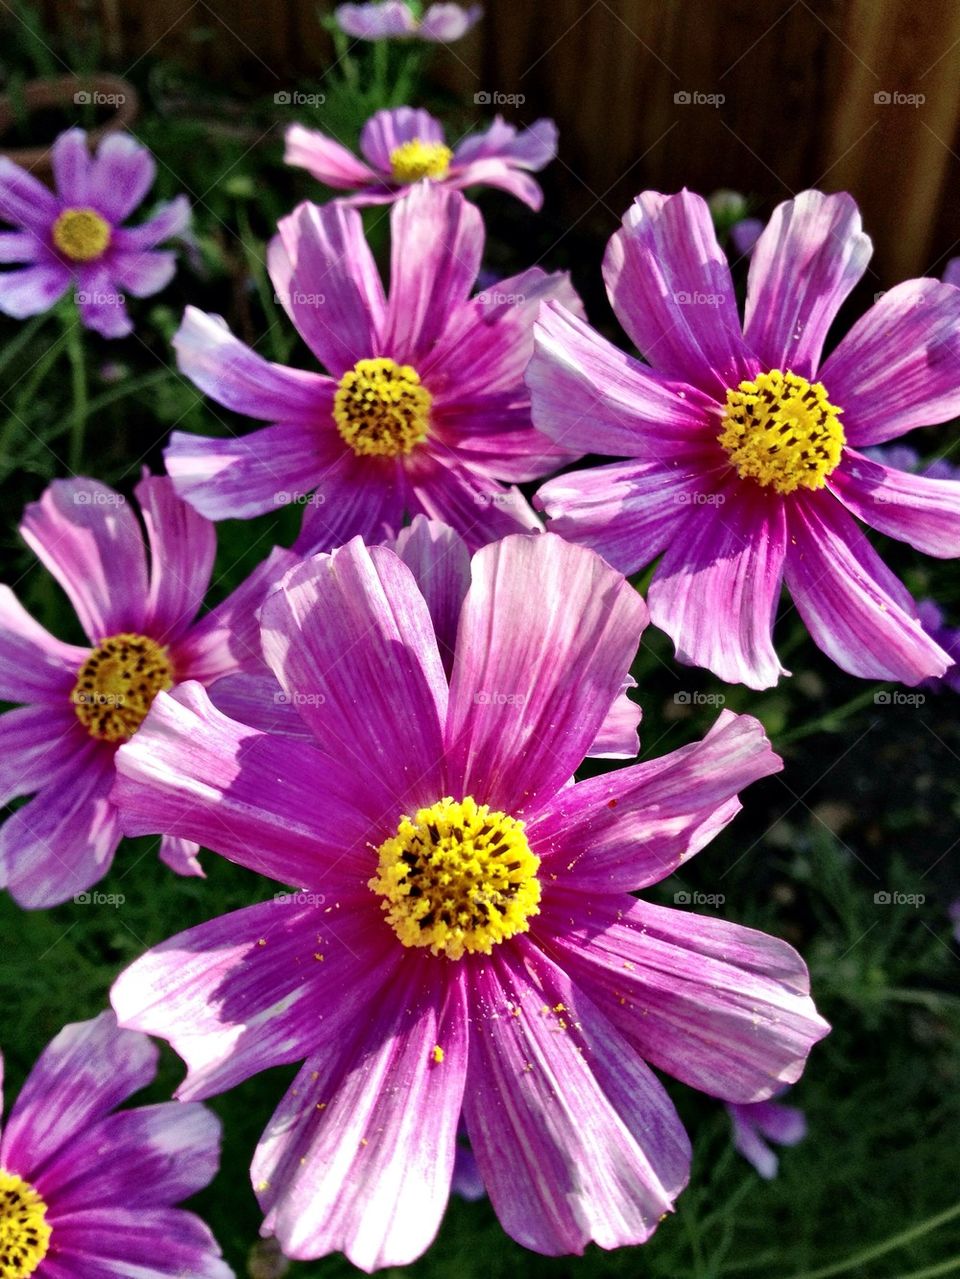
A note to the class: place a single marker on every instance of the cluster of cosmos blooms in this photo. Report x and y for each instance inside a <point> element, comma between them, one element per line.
<point>477,996</point>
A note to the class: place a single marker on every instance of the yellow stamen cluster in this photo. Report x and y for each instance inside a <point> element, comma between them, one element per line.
<point>413,160</point>
<point>781,431</point>
<point>380,408</point>
<point>117,683</point>
<point>81,234</point>
<point>24,1233</point>
<point>458,878</point>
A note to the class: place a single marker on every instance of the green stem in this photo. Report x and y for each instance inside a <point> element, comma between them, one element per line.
<point>888,1245</point>
<point>129,386</point>
<point>252,252</point>
<point>35,377</point>
<point>78,378</point>
<point>23,338</point>
<point>829,721</point>
<point>932,1272</point>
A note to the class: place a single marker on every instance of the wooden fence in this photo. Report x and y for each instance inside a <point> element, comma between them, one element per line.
<point>765,96</point>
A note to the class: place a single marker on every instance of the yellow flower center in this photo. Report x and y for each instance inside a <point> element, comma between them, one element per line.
<point>457,878</point>
<point>116,686</point>
<point>380,408</point>
<point>24,1233</point>
<point>782,431</point>
<point>413,160</point>
<point>81,234</point>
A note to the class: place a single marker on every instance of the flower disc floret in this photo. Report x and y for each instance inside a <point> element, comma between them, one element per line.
<point>458,878</point>
<point>24,1232</point>
<point>381,409</point>
<point>82,235</point>
<point>117,683</point>
<point>415,159</point>
<point>782,431</point>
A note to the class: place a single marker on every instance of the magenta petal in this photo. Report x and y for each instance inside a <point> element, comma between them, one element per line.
<point>181,855</point>
<point>358,1157</point>
<point>530,148</point>
<point>34,666</point>
<point>913,508</point>
<point>170,220</point>
<point>101,304</point>
<point>32,290</point>
<point>147,1157</point>
<point>25,201</point>
<point>446,486</point>
<point>162,1243</point>
<point>356,497</point>
<point>327,281</point>
<point>628,512</point>
<point>237,377</point>
<point>325,159</point>
<point>387,130</point>
<point>37,743</point>
<point>588,394</point>
<point>143,274</point>
<point>899,366</point>
<point>258,987</point>
<point>439,560</point>
<point>575,1138</point>
<point>807,260</point>
<point>670,286</point>
<point>723,1008</point>
<point>82,1074</point>
<point>717,587</point>
<point>183,546</point>
<point>436,244</point>
<point>191,772</point>
<point>70,159</point>
<point>546,637</point>
<point>857,611</point>
<point>122,173</point>
<point>240,476</point>
<point>340,626</point>
<point>617,737</point>
<point>259,702</point>
<point>90,540</point>
<point>447,22</point>
<point>63,841</point>
<point>499,173</point>
<point>633,827</point>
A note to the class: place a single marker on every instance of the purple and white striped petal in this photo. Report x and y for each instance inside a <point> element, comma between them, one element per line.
<point>34,666</point>
<point>326,159</point>
<point>439,560</point>
<point>387,130</point>
<point>121,174</point>
<point>37,743</point>
<point>183,546</point>
<point>32,290</point>
<point>530,148</point>
<point>162,1243</point>
<point>70,159</point>
<point>25,201</point>
<point>912,508</point>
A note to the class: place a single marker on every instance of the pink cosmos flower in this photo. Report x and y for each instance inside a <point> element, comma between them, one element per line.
<point>82,701</point>
<point>745,466</point>
<point>88,1191</point>
<point>465,942</point>
<point>423,409</point>
<point>760,1122</point>
<point>405,145</point>
<point>395,19</point>
<point>74,237</point>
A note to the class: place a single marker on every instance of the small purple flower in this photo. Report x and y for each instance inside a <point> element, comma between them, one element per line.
<point>466,944</point>
<point>75,237</point>
<point>948,637</point>
<point>745,467</point>
<point>406,145</point>
<point>395,20</point>
<point>87,1189</point>
<point>951,273</point>
<point>760,1122</point>
<point>81,702</point>
<point>423,408</point>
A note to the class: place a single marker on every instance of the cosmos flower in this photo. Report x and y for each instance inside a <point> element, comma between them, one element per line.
<point>423,408</point>
<point>404,145</point>
<point>464,943</point>
<point>74,237</point>
<point>88,1191</point>
<point>397,20</point>
<point>82,701</point>
<point>760,1122</point>
<point>745,454</point>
